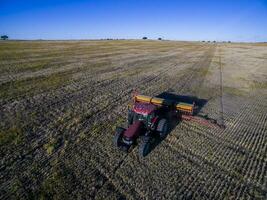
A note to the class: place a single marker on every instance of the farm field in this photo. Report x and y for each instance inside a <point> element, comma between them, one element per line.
<point>60,102</point>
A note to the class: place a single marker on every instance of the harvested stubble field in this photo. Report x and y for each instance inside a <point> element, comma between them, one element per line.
<point>61,101</point>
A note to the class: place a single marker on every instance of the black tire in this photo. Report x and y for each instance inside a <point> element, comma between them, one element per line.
<point>118,136</point>
<point>163,128</point>
<point>135,117</point>
<point>130,117</point>
<point>144,148</point>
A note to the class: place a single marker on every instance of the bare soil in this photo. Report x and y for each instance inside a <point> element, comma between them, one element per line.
<point>60,103</point>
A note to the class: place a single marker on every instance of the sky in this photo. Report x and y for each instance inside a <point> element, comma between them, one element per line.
<point>221,20</point>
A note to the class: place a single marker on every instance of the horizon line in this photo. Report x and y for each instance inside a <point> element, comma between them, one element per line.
<point>149,39</point>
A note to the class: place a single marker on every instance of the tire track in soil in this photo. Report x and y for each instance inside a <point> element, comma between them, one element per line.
<point>221,89</point>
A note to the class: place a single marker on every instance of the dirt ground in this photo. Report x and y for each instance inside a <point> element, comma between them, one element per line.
<point>60,103</point>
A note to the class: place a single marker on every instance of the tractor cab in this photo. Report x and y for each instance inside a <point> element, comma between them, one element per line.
<point>144,112</point>
<point>144,108</point>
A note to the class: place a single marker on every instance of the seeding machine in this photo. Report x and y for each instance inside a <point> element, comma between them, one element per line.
<point>149,118</point>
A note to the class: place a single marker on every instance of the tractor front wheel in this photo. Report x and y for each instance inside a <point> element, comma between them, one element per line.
<point>118,136</point>
<point>145,146</point>
<point>130,117</point>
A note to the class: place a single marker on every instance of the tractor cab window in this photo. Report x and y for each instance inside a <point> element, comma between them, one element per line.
<point>141,117</point>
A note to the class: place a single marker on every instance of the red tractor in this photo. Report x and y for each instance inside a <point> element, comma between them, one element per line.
<point>148,118</point>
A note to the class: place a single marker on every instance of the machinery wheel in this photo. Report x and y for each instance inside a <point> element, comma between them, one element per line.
<point>135,117</point>
<point>144,148</point>
<point>118,136</point>
<point>163,128</point>
<point>130,117</point>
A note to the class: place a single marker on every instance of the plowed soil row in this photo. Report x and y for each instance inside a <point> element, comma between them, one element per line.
<point>61,101</point>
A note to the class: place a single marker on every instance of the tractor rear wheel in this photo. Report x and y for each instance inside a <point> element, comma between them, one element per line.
<point>118,136</point>
<point>163,128</point>
<point>145,145</point>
